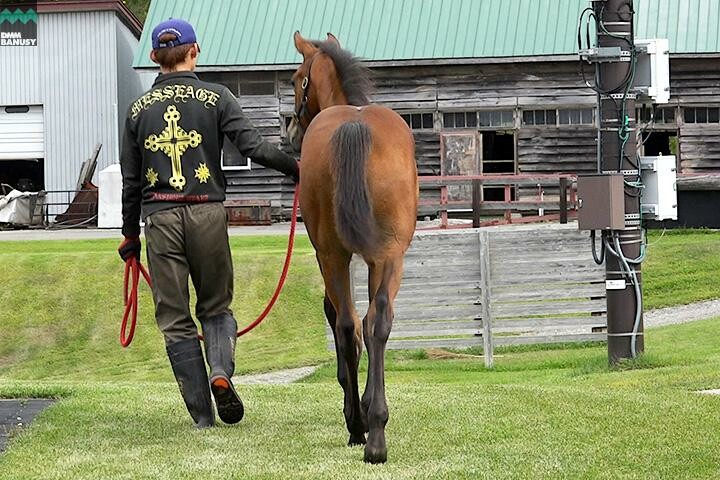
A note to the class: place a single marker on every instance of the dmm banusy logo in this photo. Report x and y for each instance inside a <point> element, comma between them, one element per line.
<point>18,24</point>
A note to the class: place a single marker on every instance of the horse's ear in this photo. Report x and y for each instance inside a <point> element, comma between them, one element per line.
<point>333,39</point>
<point>303,47</point>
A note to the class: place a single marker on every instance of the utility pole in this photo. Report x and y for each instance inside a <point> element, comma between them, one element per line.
<point>617,150</point>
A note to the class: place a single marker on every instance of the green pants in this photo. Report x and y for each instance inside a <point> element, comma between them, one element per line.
<point>190,240</point>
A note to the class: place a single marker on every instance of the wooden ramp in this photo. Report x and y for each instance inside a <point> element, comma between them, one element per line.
<point>495,286</point>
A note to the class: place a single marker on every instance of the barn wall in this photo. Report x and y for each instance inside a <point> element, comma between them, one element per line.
<point>697,83</point>
<point>517,87</point>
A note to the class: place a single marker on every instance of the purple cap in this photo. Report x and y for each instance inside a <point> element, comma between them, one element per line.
<point>183,31</point>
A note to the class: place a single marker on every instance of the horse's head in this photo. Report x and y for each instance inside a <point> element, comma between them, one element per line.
<point>316,85</point>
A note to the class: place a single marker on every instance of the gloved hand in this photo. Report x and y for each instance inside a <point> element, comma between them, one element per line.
<point>130,247</point>
<point>296,174</point>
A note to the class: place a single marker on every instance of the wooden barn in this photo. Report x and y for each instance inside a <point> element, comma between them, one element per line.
<point>498,81</point>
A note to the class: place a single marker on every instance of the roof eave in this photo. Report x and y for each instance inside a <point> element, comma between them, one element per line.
<point>421,62</point>
<point>126,16</point>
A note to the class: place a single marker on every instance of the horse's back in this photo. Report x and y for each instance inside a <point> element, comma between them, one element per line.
<point>390,171</point>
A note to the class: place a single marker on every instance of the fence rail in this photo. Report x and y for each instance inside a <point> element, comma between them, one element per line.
<point>566,183</point>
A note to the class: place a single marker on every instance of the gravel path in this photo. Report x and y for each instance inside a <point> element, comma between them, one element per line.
<point>279,377</point>
<point>682,313</point>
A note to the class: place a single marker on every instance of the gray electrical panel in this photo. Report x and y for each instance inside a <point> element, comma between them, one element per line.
<point>601,202</point>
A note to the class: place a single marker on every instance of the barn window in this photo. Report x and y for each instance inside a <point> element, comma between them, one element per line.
<point>257,83</point>
<point>459,119</point>
<point>257,88</point>
<point>232,159</point>
<point>554,117</point>
<point>701,115</point>
<point>575,116</point>
<point>497,118</point>
<point>665,115</point>
<point>419,121</point>
<point>539,117</point>
<point>228,79</point>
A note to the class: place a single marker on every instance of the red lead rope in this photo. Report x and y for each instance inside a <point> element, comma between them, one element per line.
<point>134,267</point>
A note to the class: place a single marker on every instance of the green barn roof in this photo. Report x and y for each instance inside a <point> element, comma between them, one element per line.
<point>259,32</point>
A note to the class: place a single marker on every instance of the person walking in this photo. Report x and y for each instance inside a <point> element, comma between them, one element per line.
<point>170,162</point>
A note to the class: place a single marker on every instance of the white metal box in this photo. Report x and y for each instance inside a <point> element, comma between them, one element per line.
<point>110,197</point>
<point>658,199</point>
<point>652,71</point>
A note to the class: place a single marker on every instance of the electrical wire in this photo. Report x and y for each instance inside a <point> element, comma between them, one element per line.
<point>601,259</point>
<point>632,277</point>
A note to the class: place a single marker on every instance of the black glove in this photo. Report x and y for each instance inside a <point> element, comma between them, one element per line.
<point>270,156</point>
<point>130,247</point>
<point>296,175</point>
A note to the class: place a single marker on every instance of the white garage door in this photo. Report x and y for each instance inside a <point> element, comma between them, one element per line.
<point>22,132</point>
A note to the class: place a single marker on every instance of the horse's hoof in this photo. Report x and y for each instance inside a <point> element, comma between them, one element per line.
<point>375,456</point>
<point>356,439</point>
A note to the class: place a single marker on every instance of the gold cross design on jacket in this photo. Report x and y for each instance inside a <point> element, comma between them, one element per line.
<point>174,141</point>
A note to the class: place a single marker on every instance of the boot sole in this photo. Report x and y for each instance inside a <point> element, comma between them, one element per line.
<point>230,408</point>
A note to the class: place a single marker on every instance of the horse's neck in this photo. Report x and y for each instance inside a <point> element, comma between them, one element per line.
<point>334,96</point>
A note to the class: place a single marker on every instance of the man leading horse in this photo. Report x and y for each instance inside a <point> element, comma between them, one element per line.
<point>172,177</point>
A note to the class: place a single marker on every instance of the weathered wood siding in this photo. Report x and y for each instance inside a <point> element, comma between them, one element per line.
<point>541,285</point>
<point>699,148</point>
<point>521,86</point>
<point>696,82</point>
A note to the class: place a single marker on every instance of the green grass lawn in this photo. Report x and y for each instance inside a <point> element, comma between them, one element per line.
<point>62,306</point>
<point>540,413</point>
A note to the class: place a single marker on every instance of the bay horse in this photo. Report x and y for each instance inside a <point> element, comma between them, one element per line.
<point>358,195</point>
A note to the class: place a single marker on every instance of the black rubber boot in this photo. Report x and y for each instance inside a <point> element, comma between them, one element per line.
<point>188,366</point>
<point>220,335</point>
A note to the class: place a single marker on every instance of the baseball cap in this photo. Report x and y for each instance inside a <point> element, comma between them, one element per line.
<point>184,32</point>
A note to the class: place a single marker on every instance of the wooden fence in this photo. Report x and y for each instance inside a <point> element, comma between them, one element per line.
<point>495,286</point>
<point>562,183</point>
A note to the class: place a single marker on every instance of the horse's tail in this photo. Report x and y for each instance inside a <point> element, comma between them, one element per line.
<point>354,218</point>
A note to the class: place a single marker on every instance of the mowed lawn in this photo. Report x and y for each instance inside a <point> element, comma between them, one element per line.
<point>540,413</point>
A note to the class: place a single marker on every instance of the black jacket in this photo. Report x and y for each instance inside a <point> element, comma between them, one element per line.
<point>172,143</point>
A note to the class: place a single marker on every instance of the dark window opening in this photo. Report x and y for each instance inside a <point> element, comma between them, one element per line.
<point>257,88</point>
<point>701,114</point>
<point>659,143</point>
<point>498,152</point>
<point>460,120</point>
<point>232,159</point>
<point>17,109</point>
<point>419,121</point>
<point>497,194</point>
<point>23,175</point>
<point>227,79</point>
<point>662,115</point>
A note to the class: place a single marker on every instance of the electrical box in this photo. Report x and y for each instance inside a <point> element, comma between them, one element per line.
<point>652,69</point>
<point>601,202</point>
<point>658,199</point>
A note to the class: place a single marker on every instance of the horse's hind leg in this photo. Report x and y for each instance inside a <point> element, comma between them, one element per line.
<point>378,325</point>
<point>343,320</point>
<point>374,278</point>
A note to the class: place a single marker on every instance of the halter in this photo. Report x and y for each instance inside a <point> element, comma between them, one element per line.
<point>302,110</point>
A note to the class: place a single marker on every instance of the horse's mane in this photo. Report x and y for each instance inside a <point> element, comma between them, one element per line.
<point>355,77</point>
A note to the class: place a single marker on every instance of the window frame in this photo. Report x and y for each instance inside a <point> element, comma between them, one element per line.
<point>556,113</point>
<point>234,168</point>
<point>421,114</point>
<point>695,109</point>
